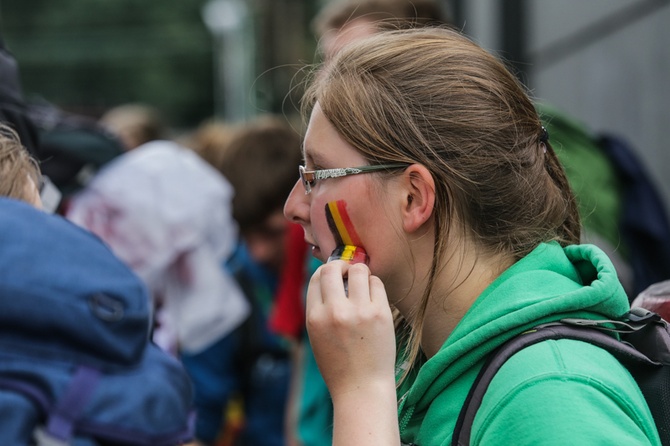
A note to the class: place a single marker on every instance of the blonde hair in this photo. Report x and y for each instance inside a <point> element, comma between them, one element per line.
<point>211,139</point>
<point>433,97</point>
<point>16,166</point>
<point>134,124</point>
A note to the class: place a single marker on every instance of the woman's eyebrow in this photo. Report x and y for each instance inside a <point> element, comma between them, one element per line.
<point>313,158</point>
<point>306,156</point>
<point>306,152</point>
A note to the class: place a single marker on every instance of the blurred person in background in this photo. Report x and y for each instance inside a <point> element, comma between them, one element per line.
<point>167,214</point>
<point>134,124</point>
<point>251,367</point>
<point>73,147</point>
<point>345,21</point>
<point>37,357</point>
<point>210,139</point>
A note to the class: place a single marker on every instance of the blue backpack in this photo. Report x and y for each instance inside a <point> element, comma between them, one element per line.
<point>76,363</point>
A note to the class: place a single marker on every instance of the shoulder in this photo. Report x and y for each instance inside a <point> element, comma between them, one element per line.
<point>563,392</point>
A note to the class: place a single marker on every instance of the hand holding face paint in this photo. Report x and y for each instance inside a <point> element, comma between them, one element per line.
<point>351,333</point>
<point>352,336</point>
<point>350,254</point>
<point>351,330</point>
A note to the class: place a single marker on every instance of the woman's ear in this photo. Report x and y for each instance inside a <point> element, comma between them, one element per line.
<point>419,197</point>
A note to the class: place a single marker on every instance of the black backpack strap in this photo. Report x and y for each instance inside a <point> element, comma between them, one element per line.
<point>622,351</point>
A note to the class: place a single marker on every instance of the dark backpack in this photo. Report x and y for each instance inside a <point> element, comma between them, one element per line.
<point>76,364</point>
<point>644,350</point>
<point>644,224</point>
<point>73,148</point>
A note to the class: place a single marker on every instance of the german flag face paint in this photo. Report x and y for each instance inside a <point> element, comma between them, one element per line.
<point>340,224</point>
<point>348,244</point>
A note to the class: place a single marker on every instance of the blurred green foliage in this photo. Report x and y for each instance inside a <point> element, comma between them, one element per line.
<point>89,55</point>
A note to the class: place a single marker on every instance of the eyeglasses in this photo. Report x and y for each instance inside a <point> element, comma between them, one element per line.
<point>310,177</point>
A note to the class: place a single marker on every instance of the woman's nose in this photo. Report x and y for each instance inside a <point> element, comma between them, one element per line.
<point>296,208</point>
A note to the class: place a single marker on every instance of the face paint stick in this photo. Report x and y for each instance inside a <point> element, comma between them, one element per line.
<point>350,254</point>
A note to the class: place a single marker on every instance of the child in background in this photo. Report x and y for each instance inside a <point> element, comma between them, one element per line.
<point>252,365</point>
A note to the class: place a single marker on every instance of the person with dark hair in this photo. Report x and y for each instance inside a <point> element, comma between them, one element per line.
<point>257,162</point>
<point>344,21</point>
<point>252,365</point>
<point>424,150</point>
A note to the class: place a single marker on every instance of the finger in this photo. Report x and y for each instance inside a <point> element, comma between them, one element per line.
<point>359,283</point>
<point>332,280</point>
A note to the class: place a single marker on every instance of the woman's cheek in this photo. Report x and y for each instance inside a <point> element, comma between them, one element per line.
<point>321,231</point>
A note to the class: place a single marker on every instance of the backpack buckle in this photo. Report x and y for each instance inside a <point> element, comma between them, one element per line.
<point>43,438</point>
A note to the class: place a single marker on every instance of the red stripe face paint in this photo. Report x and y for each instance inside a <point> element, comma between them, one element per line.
<point>348,244</point>
<point>340,223</point>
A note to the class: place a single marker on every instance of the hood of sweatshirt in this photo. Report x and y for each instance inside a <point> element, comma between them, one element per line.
<point>549,284</point>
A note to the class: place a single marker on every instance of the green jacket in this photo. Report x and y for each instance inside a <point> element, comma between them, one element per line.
<point>553,393</point>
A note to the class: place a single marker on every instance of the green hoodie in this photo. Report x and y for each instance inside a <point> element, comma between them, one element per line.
<point>555,392</point>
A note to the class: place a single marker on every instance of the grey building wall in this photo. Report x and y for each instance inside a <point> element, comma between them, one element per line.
<point>604,62</point>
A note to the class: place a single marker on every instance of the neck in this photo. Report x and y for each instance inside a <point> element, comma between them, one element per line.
<point>450,301</point>
<point>463,276</point>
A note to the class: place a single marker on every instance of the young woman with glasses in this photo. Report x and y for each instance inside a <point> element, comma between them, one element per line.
<point>438,162</point>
